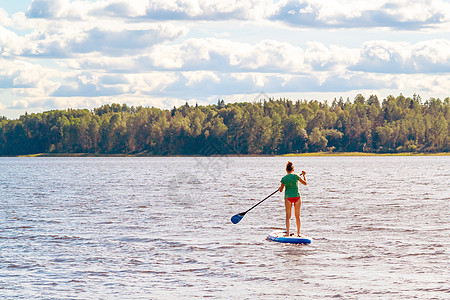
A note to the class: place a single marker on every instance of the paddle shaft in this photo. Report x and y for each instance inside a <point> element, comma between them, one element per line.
<point>260,202</point>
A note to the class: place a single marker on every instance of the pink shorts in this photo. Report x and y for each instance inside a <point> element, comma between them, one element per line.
<point>293,199</point>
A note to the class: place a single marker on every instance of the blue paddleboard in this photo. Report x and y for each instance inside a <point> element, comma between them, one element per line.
<point>278,236</point>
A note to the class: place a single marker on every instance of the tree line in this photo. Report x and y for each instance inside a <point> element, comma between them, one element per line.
<point>270,126</point>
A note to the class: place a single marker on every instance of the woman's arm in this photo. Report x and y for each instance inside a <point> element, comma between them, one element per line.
<point>303,181</point>
<point>281,188</point>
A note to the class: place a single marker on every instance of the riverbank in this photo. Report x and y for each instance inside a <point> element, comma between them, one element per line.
<point>314,154</point>
<point>366,154</point>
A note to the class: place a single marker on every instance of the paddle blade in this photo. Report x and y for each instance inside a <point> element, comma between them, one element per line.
<point>236,218</point>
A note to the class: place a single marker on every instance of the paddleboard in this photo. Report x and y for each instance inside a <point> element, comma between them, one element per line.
<point>278,236</point>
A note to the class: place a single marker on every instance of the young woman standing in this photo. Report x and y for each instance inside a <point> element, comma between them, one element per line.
<point>292,195</point>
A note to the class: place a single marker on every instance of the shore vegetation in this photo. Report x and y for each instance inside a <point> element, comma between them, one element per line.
<point>267,127</point>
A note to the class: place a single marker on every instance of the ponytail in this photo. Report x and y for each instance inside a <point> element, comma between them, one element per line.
<point>289,167</point>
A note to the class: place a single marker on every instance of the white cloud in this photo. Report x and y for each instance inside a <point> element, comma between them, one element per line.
<point>193,78</point>
<point>117,42</point>
<point>18,104</point>
<point>152,83</point>
<point>207,9</point>
<point>21,74</point>
<point>65,41</point>
<point>397,14</point>
<point>86,84</point>
<point>269,56</point>
<point>4,18</point>
<point>431,56</point>
<point>78,52</point>
<point>226,56</point>
<point>10,43</point>
<point>44,8</point>
<point>322,58</point>
<point>275,57</point>
<point>96,61</point>
<point>37,104</point>
<point>118,8</point>
<point>83,10</point>
<point>400,14</point>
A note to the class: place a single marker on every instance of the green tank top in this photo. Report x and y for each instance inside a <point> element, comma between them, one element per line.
<point>290,182</point>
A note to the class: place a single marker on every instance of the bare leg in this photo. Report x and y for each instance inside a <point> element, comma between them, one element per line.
<point>297,207</point>
<point>288,206</point>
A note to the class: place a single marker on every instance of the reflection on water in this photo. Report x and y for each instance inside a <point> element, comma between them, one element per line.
<point>160,228</point>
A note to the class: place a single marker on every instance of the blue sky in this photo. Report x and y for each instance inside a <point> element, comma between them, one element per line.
<point>56,54</point>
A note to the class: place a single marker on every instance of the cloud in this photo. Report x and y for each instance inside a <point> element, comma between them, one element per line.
<point>114,9</point>
<point>85,10</point>
<point>96,61</point>
<point>202,84</point>
<point>151,83</point>
<point>42,104</point>
<point>4,18</point>
<point>10,43</point>
<point>64,42</point>
<point>205,54</point>
<point>109,9</point>
<point>212,10</point>
<point>384,57</point>
<point>400,14</point>
<point>116,42</point>
<point>44,8</point>
<point>77,10</point>
<point>75,52</point>
<point>326,58</point>
<point>298,13</point>
<point>166,89</point>
<point>45,103</point>
<point>18,104</point>
<point>432,56</point>
<point>87,85</point>
<point>397,14</point>
<point>269,56</point>
<point>18,74</point>
<point>225,56</point>
<point>7,81</point>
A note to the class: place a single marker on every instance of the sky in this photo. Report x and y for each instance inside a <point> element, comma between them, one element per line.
<point>58,54</point>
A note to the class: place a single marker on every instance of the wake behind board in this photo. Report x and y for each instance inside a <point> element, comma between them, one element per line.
<point>278,236</point>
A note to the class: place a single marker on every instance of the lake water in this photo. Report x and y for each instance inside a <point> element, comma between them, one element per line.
<point>159,228</point>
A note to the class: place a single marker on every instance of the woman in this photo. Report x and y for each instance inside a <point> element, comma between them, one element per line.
<point>291,195</point>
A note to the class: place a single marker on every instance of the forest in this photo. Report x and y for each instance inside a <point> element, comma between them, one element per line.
<point>270,126</point>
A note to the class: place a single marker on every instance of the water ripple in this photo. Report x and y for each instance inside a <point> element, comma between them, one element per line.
<point>114,228</point>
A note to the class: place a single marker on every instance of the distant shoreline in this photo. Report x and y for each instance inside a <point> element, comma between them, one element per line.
<point>313,154</point>
<point>365,154</point>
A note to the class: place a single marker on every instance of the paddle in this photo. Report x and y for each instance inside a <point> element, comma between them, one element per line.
<point>236,218</point>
